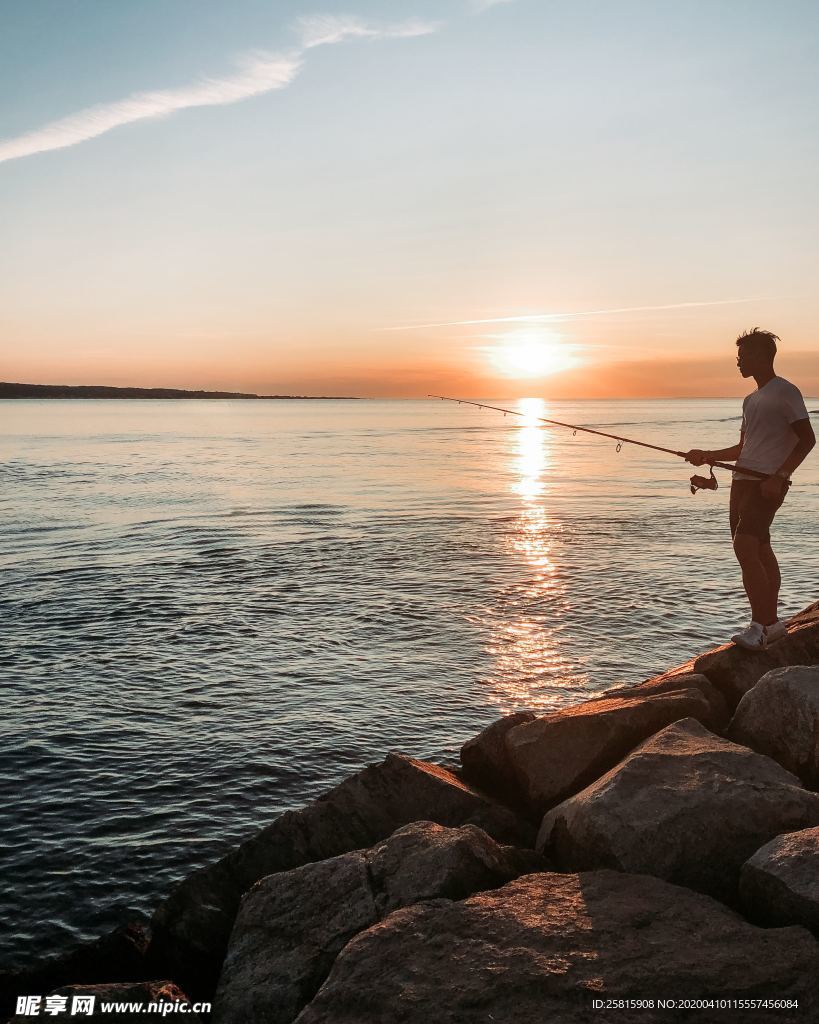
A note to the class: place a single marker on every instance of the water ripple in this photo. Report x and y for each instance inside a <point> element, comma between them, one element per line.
<point>202,628</point>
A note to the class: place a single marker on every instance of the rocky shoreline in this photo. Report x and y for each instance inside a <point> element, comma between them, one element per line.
<point>654,845</point>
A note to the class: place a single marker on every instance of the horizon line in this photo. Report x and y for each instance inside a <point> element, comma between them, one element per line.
<point>219,394</point>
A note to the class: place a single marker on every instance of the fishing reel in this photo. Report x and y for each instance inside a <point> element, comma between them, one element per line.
<point>704,483</point>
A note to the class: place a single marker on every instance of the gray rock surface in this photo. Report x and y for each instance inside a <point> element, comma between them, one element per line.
<point>291,926</point>
<point>424,860</point>
<point>289,929</point>
<point>556,755</point>
<point>780,883</point>
<point>780,717</point>
<point>541,948</point>
<point>686,806</point>
<point>191,927</point>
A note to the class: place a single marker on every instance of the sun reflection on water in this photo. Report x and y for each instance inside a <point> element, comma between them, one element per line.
<point>529,670</point>
<point>532,453</point>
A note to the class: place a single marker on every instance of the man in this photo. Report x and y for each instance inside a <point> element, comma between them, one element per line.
<point>776,436</point>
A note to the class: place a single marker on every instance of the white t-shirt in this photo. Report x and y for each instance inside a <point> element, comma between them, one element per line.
<point>767,414</point>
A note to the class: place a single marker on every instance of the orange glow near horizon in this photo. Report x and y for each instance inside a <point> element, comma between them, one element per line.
<point>588,360</point>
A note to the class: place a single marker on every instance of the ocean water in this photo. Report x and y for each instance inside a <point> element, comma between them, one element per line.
<point>213,611</point>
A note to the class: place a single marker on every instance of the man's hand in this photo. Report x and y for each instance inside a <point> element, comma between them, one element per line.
<point>696,457</point>
<point>772,487</point>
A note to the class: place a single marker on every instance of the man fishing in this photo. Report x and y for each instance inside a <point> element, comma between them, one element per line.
<point>775,437</point>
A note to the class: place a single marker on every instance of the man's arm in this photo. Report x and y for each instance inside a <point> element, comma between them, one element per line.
<point>697,456</point>
<point>806,439</point>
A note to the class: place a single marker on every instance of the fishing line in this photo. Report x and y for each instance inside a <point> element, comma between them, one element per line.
<point>697,482</point>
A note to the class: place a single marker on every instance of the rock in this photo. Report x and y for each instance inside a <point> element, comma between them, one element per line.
<point>734,671</point>
<point>191,927</point>
<point>780,717</point>
<point>291,926</point>
<point>780,883</point>
<point>558,754</point>
<point>543,947</point>
<point>117,956</point>
<point>686,806</point>
<point>140,993</point>
<point>424,860</point>
<point>677,680</point>
<point>289,929</point>
<point>485,761</point>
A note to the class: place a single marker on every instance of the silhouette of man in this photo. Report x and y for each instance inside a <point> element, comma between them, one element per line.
<point>775,437</point>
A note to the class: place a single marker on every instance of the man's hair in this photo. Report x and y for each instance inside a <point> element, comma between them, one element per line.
<point>763,341</point>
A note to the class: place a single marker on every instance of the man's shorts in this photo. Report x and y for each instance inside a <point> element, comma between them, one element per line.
<point>749,512</point>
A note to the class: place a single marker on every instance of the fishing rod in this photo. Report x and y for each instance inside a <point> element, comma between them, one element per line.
<point>697,482</point>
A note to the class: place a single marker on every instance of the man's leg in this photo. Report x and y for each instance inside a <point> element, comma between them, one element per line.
<point>771,567</point>
<point>761,590</point>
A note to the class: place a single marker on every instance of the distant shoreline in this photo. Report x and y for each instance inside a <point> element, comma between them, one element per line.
<point>10,390</point>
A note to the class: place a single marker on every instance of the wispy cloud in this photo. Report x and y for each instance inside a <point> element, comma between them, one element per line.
<point>324,29</point>
<point>483,5</point>
<point>257,73</point>
<point>540,318</point>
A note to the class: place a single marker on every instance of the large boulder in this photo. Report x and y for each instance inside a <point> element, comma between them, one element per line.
<point>686,806</point>
<point>191,927</point>
<point>558,754</point>
<point>678,680</point>
<point>780,883</point>
<point>545,946</point>
<point>289,929</point>
<point>423,861</point>
<point>133,1001</point>
<point>117,956</point>
<point>292,925</point>
<point>485,760</point>
<point>780,717</point>
<point>734,670</point>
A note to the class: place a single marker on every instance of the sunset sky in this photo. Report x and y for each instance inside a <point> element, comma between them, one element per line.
<point>565,199</point>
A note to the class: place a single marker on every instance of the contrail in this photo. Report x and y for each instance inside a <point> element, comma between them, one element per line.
<point>258,73</point>
<point>327,29</point>
<point>551,317</point>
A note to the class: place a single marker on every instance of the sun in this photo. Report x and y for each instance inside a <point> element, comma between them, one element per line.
<point>531,354</point>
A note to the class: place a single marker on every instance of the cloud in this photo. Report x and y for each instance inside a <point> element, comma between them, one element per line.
<point>324,29</point>
<point>530,318</point>
<point>257,74</point>
<point>479,6</point>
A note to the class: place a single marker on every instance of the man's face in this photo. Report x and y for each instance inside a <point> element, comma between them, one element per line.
<point>747,360</point>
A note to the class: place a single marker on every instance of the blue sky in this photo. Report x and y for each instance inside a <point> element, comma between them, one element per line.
<point>427,163</point>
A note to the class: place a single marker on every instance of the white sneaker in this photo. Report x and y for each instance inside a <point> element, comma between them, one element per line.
<point>775,632</point>
<point>752,638</point>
